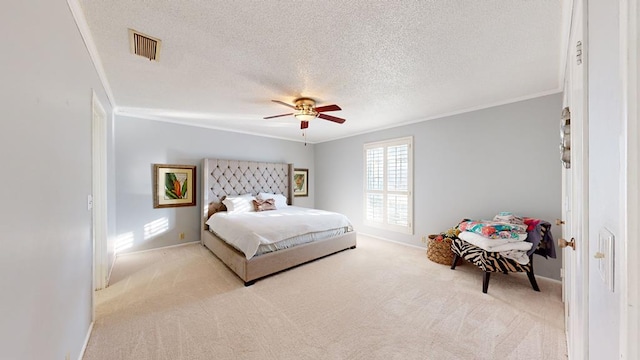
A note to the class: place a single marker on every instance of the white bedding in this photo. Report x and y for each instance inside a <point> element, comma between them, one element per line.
<point>300,239</point>
<point>247,231</point>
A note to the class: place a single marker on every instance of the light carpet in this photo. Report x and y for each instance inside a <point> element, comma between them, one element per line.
<point>379,301</point>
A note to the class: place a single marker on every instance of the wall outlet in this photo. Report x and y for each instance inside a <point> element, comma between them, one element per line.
<point>181,236</point>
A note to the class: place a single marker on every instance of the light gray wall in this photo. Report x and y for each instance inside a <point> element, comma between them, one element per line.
<point>141,143</point>
<point>45,142</point>
<point>606,172</point>
<point>471,165</point>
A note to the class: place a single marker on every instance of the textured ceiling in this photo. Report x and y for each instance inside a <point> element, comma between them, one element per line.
<point>384,62</point>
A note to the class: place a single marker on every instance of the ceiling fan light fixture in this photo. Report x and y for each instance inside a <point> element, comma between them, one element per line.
<point>305,115</point>
<point>305,109</point>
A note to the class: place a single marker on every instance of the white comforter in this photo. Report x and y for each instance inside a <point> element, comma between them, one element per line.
<point>246,231</point>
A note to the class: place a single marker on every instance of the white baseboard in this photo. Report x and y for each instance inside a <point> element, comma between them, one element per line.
<point>113,264</point>
<point>86,341</point>
<point>393,241</point>
<point>550,279</point>
<point>160,248</point>
<point>423,248</point>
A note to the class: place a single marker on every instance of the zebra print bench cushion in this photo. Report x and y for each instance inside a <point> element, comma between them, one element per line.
<point>485,260</point>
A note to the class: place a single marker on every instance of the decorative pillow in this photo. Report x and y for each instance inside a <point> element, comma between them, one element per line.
<point>216,207</point>
<point>239,203</point>
<point>281,200</point>
<point>263,205</point>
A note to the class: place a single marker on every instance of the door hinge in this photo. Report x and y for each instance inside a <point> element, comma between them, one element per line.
<point>579,53</point>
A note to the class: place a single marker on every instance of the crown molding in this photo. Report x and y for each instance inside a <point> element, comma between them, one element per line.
<point>85,32</point>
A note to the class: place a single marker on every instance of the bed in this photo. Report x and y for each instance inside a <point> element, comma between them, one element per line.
<point>223,178</point>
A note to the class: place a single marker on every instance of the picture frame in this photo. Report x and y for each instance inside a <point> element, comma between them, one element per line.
<point>174,185</point>
<point>300,182</point>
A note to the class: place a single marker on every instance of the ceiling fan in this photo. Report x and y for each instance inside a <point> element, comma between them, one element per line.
<point>306,110</point>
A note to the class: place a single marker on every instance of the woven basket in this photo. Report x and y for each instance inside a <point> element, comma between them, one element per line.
<point>439,251</point>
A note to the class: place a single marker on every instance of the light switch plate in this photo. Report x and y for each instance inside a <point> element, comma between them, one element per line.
<point>606,264</point>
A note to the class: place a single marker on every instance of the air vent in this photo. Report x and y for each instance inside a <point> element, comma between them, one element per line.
<point>144,45</point>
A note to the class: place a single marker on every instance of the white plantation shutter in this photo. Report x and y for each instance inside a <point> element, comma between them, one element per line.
<point>388,175</point>
<point>375,168</point>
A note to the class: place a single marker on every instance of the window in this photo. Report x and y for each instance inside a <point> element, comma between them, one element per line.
<point>388,184</point>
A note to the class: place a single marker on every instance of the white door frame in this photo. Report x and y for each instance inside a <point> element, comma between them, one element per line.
<point>99,193</point>
<point>576,196</point>
<point>630,297</point>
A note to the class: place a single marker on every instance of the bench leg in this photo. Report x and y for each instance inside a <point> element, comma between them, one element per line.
<point>455,261</point>
<point>485,281</point>
<point>532,280</point>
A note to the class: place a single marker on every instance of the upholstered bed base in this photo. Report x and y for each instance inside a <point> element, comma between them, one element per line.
<point>266,264</point>
<point>230,177</point>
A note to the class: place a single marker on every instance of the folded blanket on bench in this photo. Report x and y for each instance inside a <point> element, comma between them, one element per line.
<point>516,250</point>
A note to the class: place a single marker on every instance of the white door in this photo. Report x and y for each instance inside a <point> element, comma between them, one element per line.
<point>630,332</point>
<point>575,193</point>
<point>567,257</point>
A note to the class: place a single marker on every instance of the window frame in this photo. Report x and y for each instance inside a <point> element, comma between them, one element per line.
<point>385,192</point>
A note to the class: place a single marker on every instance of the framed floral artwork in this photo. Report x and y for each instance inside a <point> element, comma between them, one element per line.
<point>174,185</point>
<point>301,182</point>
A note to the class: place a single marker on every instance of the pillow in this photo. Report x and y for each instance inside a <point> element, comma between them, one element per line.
<point>281,200</point>
<point>239,203</point>
<point>215,207</point>
<point>263,205</point>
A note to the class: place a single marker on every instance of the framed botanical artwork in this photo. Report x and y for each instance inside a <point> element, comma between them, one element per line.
<point>301,182</point>
<point>174,185</point>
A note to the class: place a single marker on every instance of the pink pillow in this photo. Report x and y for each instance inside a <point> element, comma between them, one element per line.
<point>263,205</point>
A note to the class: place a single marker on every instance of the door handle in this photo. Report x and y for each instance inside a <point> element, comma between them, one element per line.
<point>564,243</point>
<point>559,222</point>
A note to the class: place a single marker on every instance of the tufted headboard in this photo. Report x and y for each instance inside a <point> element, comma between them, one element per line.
<point>235,177</point>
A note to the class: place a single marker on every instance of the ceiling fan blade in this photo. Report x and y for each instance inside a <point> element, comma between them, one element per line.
<point>331,118</point>
<point>304,124</point>
<point>284,103</point>
<point>275,116</point>
<point>328,108</point>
